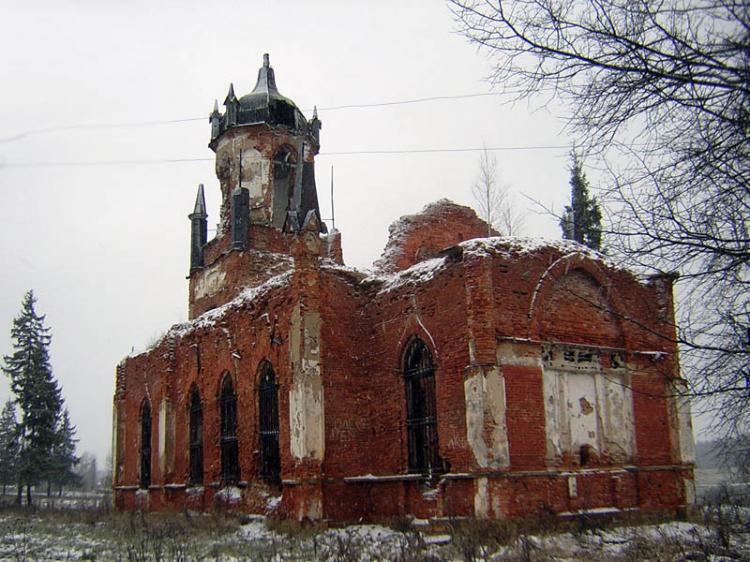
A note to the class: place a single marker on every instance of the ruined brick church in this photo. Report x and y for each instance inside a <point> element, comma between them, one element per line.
<point>465,376</point>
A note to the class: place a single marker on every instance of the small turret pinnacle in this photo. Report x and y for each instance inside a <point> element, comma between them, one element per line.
<point>216,106</point>
<point>315,112</point>
<point>200,203</point>
<point>231,98</point>
<point>198,231</point>
<point>266,83</point>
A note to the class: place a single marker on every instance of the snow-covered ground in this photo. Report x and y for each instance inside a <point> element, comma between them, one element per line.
<point>94,535</point>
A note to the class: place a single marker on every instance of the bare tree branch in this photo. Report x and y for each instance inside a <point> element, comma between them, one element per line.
<point>660,91</point>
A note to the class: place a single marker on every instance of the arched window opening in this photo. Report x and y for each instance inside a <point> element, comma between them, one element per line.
<point>421,416</point>
<point>145,480</point>
<point>230,469</point>
<point>268,411</point>
<point>196,437</point>
<point>284,167</point>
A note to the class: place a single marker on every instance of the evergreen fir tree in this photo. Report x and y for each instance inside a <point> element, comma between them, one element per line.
<point>37,395</point>
<point>582,219</point>
<point>8,445</point>
<point>64,457</point>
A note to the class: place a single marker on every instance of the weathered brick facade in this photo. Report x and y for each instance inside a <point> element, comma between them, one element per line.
<point>467,376</point>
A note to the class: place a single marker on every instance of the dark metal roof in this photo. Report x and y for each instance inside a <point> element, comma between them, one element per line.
<point>264,104</point>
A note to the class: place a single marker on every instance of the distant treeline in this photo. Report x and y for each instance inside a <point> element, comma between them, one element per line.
<point>719,454</point>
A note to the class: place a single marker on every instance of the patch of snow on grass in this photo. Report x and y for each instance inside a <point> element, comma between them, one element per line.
<point>256,531</point>
<point>230,494</point>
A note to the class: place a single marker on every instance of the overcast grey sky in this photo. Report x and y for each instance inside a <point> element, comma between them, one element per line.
<point>105,246</point>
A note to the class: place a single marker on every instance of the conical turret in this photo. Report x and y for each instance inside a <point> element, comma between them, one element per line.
<point>198,230</point>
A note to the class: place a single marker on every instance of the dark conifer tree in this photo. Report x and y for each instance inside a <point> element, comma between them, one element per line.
<point>582,219</point>
<point>64,457</point>
<point>8,445</point>
<point>37,395</point>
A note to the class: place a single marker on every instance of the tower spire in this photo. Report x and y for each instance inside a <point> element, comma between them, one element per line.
<point>231,98</point>
<point>198,230</point>
<point>266,83</point>
<point>200,203</point>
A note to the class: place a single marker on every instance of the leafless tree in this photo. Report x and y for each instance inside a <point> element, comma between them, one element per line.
<point>660,90</point>
<point>494,200</point>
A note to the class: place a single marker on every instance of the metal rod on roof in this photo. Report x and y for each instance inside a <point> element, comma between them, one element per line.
<point>333,214</point>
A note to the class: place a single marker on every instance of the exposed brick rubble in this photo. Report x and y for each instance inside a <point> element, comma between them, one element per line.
<point>411,239</point>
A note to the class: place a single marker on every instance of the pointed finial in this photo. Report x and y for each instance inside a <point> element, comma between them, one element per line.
<point>231,98</point>
<point>200,203</point>
<point>266,83</point>
<point>315,112</point>
<point>216,106</point>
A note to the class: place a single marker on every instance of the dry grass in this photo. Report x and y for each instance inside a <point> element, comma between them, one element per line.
<point>722,533</point>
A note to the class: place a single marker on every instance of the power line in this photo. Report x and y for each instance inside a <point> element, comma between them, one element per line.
<point>443,150</point>
<point>66,128</point>
<point>84,163</point>
<point>127,125</point>
<point>415,100</point>
<point>375,152</point>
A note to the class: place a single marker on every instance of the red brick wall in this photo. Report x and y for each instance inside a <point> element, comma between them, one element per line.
<point>525,417</point>
<point>365,327</point>
<point>440,225</point>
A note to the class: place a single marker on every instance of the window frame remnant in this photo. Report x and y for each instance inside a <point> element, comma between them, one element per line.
<point>421,410</point>
<point>284,173</point>
<point>144,480</point>
<point>196,437</point>
<point>230,466</point>
<point>268,425</point>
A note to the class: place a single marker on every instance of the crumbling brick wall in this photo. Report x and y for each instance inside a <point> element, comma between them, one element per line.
<point>505,321</point>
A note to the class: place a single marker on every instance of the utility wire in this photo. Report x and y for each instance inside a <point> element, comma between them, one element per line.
<point>66,128</point>
<point>442,150</point>
<point>47,130</point>
<point>151,161</point>
<point>415,100</point>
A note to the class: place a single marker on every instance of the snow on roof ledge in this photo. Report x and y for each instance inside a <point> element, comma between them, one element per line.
<point>525,245</point>
<point>210,317</point>
<point>507,246</point>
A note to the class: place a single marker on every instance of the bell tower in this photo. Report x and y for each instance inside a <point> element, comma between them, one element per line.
<point>265,163</point>
<point>265,145</point>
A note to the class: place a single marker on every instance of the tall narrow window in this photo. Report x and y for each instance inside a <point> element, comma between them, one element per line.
<point>421,420</point>
<point>284,167</point>
<point>268,411</point>
<point>230,469</point>
<point>145,444</point>
<point>196,437</point>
